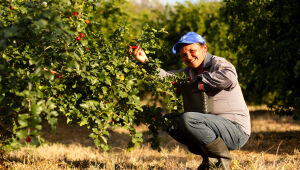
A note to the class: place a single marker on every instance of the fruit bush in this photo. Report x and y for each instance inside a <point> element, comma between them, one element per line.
<point>74,61</point>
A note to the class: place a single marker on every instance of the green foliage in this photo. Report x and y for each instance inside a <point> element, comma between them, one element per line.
<point>54,62</point>
<point>265,35</point>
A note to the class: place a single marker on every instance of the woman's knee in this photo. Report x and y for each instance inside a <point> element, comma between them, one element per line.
<point>195,126</point>
<point>189,118</point>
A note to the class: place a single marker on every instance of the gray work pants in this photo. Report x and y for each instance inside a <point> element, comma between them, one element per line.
<point>196,129</point>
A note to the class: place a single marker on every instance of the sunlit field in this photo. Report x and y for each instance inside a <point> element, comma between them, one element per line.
<point>274,144</point>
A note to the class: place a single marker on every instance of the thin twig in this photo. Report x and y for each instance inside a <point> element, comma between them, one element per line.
<point>277,153</point>
<point>269,149</point>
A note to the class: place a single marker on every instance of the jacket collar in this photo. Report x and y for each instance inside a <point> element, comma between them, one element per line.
<point>207,60</point>
<point>206,64</point>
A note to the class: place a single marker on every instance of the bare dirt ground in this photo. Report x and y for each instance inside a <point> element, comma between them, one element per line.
<point>274,144</point>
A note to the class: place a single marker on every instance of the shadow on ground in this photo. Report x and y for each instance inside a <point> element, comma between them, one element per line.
<point>268,142</point>
<point>274,142</point>
<point>275,136</point>
<point>81,164</point>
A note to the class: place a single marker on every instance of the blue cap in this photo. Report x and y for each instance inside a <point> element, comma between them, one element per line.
<point>188,38</point>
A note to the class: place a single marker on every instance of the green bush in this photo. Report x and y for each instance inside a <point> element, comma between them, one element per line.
<point>74,61</point>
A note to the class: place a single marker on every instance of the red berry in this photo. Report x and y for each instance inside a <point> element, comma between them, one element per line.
<point>87,49</point>
<point>173,82</point>
<point>59,96</point>
<point>87,21</point>
<point>112,120</point>
<point>78,38</point>
<point>133,47</point>
<point>81,35</point>
<point>59,76</point>
<point>28,139</point>
<point>11,7</point>
<point>74,13</point>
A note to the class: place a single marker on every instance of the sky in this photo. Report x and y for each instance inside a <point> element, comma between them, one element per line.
<point>171,2</point>
<point>174,1</point>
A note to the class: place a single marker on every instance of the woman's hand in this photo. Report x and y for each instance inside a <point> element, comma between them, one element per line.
<point>138,53</point>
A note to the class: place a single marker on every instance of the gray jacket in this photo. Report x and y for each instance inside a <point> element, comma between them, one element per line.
<point>219,80</point>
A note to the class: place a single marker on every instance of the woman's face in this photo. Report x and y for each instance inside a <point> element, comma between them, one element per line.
<point>193,54</point>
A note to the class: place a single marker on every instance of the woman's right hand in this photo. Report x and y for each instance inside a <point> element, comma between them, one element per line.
<point>138,53</point>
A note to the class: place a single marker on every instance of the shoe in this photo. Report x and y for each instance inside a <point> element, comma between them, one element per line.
<point>205,164</point>
<point>218,149</point>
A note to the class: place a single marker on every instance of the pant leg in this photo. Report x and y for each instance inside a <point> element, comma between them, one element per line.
<point>178,134</point>
<point>205,128</point>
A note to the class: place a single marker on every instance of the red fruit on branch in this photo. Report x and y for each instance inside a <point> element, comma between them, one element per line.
<point>173,82</point>
<point>11,7</point>
<point>134,47</point>
<point>154,118</point>
<point>87,21</point>
<point>78,38</point>
<point>74,13</point>
<point>59,76</point>
<point>28,139</point>
<point>81,35</point>
<point>112,120</point>
<point>87,49</point>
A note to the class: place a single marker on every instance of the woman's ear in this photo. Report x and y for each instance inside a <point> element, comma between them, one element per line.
<point>204,46</point>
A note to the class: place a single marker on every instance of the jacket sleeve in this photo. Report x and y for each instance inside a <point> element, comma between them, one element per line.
<point>222,75</point>
<point>163,73</point>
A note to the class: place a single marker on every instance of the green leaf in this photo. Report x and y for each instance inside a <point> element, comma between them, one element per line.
<point>38,127</point>
<point>22,134</point>
<point>36,109</point>
<point>35,141</point>
<point>48,75</point>
<point>41,23</point>
<point>139,134</point>
<point>97,142</point>
<point>104,139</point>
<point>23,116</point>
<point>23,123</point>
<point>84,121</point>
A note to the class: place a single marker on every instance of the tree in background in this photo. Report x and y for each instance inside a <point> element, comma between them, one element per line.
<point>265,34</point>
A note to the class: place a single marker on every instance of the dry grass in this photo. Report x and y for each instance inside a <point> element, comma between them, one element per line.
<point>274,144</point>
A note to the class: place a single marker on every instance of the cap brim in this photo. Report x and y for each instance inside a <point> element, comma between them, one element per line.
<point>174,49</point>
<point>176,46</point>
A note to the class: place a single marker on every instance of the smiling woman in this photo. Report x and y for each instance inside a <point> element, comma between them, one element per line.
<point>223,123</point>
